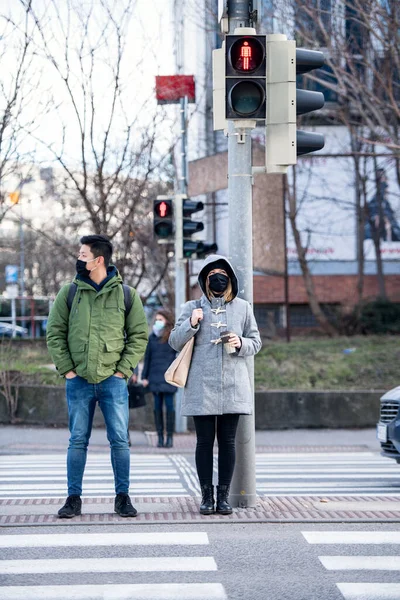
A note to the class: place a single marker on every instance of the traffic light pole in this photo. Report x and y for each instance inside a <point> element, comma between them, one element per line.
<point>243,487</point>
<point>180,269</point>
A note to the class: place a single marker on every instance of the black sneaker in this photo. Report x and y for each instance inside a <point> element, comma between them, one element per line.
<point>71,508</point>
<point>123,506</point>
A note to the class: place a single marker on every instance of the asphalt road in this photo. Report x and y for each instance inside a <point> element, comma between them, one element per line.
<point>213,562</point>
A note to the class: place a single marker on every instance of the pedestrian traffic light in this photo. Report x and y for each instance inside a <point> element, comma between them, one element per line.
<point>208,249</point>
<point>189,227</point>
<point>245,71</point>
<point>283,142</point>
<point>163,224</point>
<point>308,101</point>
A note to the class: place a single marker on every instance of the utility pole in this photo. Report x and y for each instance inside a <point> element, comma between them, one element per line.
<point>243,488</point>
<point>180,268</point>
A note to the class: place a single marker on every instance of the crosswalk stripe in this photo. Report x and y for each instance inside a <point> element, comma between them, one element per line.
<point>108,565</point>
<point>352,537</point>
<point>154,591</point>
<point>103,539</point>
<point>367,591</point>
<point>356,563</point>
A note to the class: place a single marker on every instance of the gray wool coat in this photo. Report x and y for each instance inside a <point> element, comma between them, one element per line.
<point>218,383</point>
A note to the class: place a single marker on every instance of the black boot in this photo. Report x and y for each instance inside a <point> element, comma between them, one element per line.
<point>71,508</point>
<point>207,500</point>
<point>223,506</point>
<point>159,422</point>
<point>170,428</point>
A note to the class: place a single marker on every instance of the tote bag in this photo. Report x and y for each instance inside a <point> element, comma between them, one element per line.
<point>177,372</point>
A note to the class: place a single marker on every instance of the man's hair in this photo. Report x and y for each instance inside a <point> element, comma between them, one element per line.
<point>99,245</point>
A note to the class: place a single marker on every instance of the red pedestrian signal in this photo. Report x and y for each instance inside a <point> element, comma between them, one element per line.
<point>245,77</point>
<point>163,224</point>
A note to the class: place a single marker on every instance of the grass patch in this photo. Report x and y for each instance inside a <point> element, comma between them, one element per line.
<point>310,364</point>
<point>304,364</point>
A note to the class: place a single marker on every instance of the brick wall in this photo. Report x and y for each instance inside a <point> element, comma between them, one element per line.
<point>333,289</point>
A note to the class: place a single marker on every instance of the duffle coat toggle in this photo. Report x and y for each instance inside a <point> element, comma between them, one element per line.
<point>218,325</point>
<point>218,310</point>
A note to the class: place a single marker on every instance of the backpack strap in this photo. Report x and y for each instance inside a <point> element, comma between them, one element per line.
<point>127,299</point>
<point>71,294</point>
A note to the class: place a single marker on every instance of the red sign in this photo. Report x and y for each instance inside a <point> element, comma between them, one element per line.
<point>171,88</point>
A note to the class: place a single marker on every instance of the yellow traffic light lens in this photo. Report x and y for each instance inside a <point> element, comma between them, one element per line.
<point>246,97</point>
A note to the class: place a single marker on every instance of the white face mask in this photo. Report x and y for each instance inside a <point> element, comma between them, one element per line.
<point>158,327</point>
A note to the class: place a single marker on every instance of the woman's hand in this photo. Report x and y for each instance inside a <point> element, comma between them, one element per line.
<point>145,382</point>
<point>235,340</point>
<point>197,315</point>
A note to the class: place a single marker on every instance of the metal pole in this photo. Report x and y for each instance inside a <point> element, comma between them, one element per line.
<point>286,276</point>
<point>22,255</point>
<point>13,318</point>
<point>180,269</point>
<point>243,488</point>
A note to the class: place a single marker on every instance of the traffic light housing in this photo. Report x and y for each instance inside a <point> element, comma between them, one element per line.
<point>308,101</point>
<point>163,223</point>
<point>245,77</point>
<point>189,227</point>
<point>284,103</point>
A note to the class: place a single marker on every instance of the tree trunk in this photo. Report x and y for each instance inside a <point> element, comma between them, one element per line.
<point>307,277</point>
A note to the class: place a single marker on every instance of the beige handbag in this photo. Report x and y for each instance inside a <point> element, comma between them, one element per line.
<point>177,372</point>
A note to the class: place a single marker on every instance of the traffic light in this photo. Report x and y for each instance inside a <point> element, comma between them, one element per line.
<point>245,72</point>
<point>307,101</point>
<point>284,102</point>
<point>189,227</point>
<point>163,224</point>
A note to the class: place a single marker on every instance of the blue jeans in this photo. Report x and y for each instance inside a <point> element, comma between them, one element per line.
<point>168,399</point>
<point>112,396</point>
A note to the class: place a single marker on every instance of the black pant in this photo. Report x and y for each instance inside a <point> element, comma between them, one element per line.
<point>226,433</point>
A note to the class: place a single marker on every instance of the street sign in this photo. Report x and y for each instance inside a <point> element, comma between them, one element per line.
<point>12,274</point>
<point>171,88</point>
<point>12,291</point>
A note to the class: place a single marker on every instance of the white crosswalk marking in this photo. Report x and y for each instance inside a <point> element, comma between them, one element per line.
<point>370,591</point>
<point>135,565</point>
<point>372,563</point>
<point>328,473</point>
<point>44,476</point>
<point>108,565</point>
<point>165,591</point>
<point>55,540</point>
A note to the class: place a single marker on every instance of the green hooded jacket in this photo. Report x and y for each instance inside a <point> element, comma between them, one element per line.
<point>94,339</point>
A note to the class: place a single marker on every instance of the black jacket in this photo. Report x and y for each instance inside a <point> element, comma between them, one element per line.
<point>159,355</point>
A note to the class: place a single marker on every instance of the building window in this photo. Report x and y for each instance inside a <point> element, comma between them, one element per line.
<point>313,21</point>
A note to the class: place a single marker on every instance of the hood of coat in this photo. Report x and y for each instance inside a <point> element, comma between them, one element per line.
<point>216,261</point>
<point>113,278</point>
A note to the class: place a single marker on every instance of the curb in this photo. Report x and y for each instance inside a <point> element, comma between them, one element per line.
<point>184,510</point>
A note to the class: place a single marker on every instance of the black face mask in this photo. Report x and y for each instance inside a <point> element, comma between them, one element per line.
<point>218,282</point>
<point>81,268</point>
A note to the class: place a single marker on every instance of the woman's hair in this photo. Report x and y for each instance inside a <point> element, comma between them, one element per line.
<point>170,322</point>
<point>228,293</point>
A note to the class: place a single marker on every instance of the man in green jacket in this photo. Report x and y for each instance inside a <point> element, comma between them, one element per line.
<point>96,344</point>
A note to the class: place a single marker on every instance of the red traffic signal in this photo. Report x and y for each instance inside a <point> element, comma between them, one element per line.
<point>163,224</point>
<point>245,77</point>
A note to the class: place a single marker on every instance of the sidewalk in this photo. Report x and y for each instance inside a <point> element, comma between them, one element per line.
<point>32,512</point>
<point>22,439</point>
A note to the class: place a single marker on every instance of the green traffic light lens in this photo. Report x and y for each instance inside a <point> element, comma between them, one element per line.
<point>246,97</point>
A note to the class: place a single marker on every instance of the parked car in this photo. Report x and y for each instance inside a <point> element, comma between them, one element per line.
<point>6,330</point>
<point>388,428</point>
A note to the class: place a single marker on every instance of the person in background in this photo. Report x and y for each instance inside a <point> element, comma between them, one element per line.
<point>96,345</point>
<point>218,389</point>
<point>159,355</point>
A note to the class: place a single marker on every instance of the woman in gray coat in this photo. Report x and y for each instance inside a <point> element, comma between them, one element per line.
<point>218,388</point>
